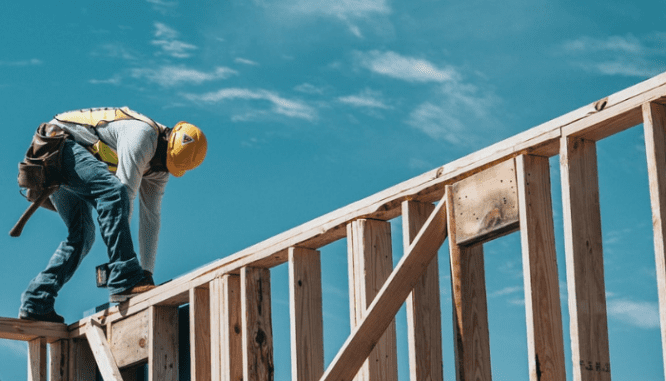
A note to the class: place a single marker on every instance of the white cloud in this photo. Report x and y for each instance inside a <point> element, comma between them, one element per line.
<point>309,88</point>
<point>280,105</point>
<point>506,291</point>
<point>409,69</point>
<point>166,39</point>
<point>628,56</point>
<point>246,62</point>
<point>168,76</point>
<point>367,98</point>
<point>30,62</point>
<point>640,314</point>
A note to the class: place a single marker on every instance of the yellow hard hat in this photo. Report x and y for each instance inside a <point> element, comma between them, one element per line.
<point>186,150</point>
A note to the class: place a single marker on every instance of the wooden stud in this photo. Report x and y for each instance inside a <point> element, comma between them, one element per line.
<point>58,364</point>
<point>545,342</point>
<point>257,325</point>
<point>37,359</point>
<point>370,264</point>
<point>200,338</point>
<point>424,322</point>
<point>26,330</point>
<point>81,362</point>
<point>390,298</point>
<point>585,263</point>
<point>470,310</point>
<point>307,326</point>
<point>102,353</point>
<point>226,332</point>
<point>163,350</point>
<point>654,124</point>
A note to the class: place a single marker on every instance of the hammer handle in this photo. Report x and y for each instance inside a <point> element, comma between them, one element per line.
<point>18,228</point>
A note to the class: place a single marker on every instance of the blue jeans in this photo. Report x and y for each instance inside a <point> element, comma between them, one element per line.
<point>87,184</point>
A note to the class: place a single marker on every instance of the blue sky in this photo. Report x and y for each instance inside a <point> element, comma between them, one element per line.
<point>310,105</point>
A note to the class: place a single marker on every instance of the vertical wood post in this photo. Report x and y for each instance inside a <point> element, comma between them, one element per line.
<point>470,310</point>
<point>82,365</point>
<point>257,325</point>
<point>424,323</point>
<point>545,342</point>
<point>163,353</point>
<point>654,124</point>
<point>584,256</point>
<point>58,364</point>
<point>37,359</point>
<point>200,338</point>
<point>226,333</point>
<point>370,264</point>
<point>307,326</point>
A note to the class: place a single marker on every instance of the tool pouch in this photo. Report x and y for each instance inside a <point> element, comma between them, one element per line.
<point>40,169</point>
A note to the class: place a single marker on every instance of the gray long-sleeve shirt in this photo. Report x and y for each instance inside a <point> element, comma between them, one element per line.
<point>135,143</point>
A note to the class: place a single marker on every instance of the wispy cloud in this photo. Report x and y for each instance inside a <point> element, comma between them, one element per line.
<point>163,6</point>
<point>279,104</point>
<point>309,88</point>
<point>167,39</point>
<point>169,76</point>
<point>628,56</point>
<point>394,65</point>
<point>639,314</point>
<point>506,291</point>
<point>365,99</point>
<point>30,62</point>
<point>246,62</point>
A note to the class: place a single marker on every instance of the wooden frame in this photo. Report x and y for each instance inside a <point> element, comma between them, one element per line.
<point>221,336</point>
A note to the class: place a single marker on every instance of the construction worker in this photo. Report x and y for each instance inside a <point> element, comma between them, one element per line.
<point>112,155</point>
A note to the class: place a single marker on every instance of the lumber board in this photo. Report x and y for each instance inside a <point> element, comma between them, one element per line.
<point>129,339</point>
<point>584,260</point>
<point>102,353</point>
<point>389,299</point>
<point>37,359</point>
<point>27,330</point>
<point>58,364</point>
<point>545,342</point>
<point>225,299</point>
<point>486,204</point>
<point>200,337</point>
<point>470,310</point>
<point>257,324</point>
<point>370,264</point>
<point>654,126</point>
<point>541,140</point>
<point>305,314</point>
<point>424,320</point>
<point>163,344</point>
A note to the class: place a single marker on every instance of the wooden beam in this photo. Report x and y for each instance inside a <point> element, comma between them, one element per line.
<point>37,359</point>
<point>370,264</point>
<point>545,342</point>
<point>654,124</point>
<point>470,311</point>
<point>585,263</point>
<point>27,330</point>
<point>587,121</point>
<point>163,344</point>
<point>257,325</point>
<point>424,321</point>
<point>58,364</point>
<point>390,298</point>
<point>129,339</point>
<point>226,329</point>
<point>102,353</point>
<point>200,338</point>
<point>306,319</point>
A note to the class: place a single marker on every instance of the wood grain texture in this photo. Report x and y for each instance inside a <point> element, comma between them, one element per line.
<point>37,359</point>
<point>129,339</point>
<point>58,364</point>
<point>257,324</point>
<point>370,264</point>
<point>163,344</point>
<point>545,341</point>
<point>654,125</point>
<point>424,325</point>
<point>200,337</point>
<point>226,332</point>
<point>102,353</point>
<point>470,310</point>
<point>390,298</point>
<point>81,363</point>
<point>585,262</point>
<point>306,318</point>
<point>27,330</point>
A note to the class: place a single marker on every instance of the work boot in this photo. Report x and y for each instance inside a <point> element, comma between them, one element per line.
<point>52,317</point>
<point>141,287</point>
<point>149,277</point>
